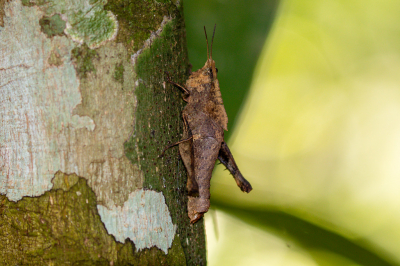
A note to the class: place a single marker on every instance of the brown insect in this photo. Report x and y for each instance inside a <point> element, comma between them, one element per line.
<point>204,120</point>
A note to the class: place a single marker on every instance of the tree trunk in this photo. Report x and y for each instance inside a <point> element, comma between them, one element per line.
<point>84,114</point>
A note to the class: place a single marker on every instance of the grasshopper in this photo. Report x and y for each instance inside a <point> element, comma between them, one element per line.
<point>203,142</point>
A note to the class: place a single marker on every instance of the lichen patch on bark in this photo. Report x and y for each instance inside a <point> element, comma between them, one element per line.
<point>53,121</point>
<point>33,112</point>
<point>86,20</point>
<point>144,218</point>
<point>69,142</point>
<point>111,105</point>
<point>94,26</point>
<point>53,25</point>
<point>63,227</point>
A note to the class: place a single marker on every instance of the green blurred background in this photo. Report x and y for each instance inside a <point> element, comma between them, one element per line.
<point>312,91</point>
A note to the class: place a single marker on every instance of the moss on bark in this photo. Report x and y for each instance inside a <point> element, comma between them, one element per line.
<point>62,226</point>
<point>159,123</point>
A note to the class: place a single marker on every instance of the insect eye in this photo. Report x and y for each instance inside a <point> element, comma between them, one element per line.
<point>216,69</point>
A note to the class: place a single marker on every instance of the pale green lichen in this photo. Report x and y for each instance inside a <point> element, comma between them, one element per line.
<point>86,20</point>
<point>52,26</point>
<point>147,218</point>
<point>93,28</point>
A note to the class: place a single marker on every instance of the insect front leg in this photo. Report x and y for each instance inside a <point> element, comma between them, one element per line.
<point>174,144</point>
<point>183,88</point>
<point>226,158</point>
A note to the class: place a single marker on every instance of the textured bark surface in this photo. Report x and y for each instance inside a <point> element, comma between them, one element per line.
<point>84,114</point>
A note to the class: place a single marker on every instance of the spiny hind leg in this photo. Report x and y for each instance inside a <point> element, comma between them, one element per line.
<point>226,158</point>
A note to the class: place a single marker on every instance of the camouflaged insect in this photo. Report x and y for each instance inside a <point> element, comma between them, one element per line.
<point>204,120</point>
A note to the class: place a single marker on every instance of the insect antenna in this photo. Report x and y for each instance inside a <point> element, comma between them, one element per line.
<point>212,40</point>
<point>205,32</point>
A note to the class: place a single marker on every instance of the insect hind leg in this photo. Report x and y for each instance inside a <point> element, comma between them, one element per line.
<point>226,158</point>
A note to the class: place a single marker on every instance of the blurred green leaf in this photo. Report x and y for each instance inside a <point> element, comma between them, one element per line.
<point>307,235</point>
<point>318,135</point>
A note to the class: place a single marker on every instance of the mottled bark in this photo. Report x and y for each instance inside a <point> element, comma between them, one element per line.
<point>84,114</point>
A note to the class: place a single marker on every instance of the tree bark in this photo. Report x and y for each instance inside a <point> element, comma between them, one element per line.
<point>84,114</point>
